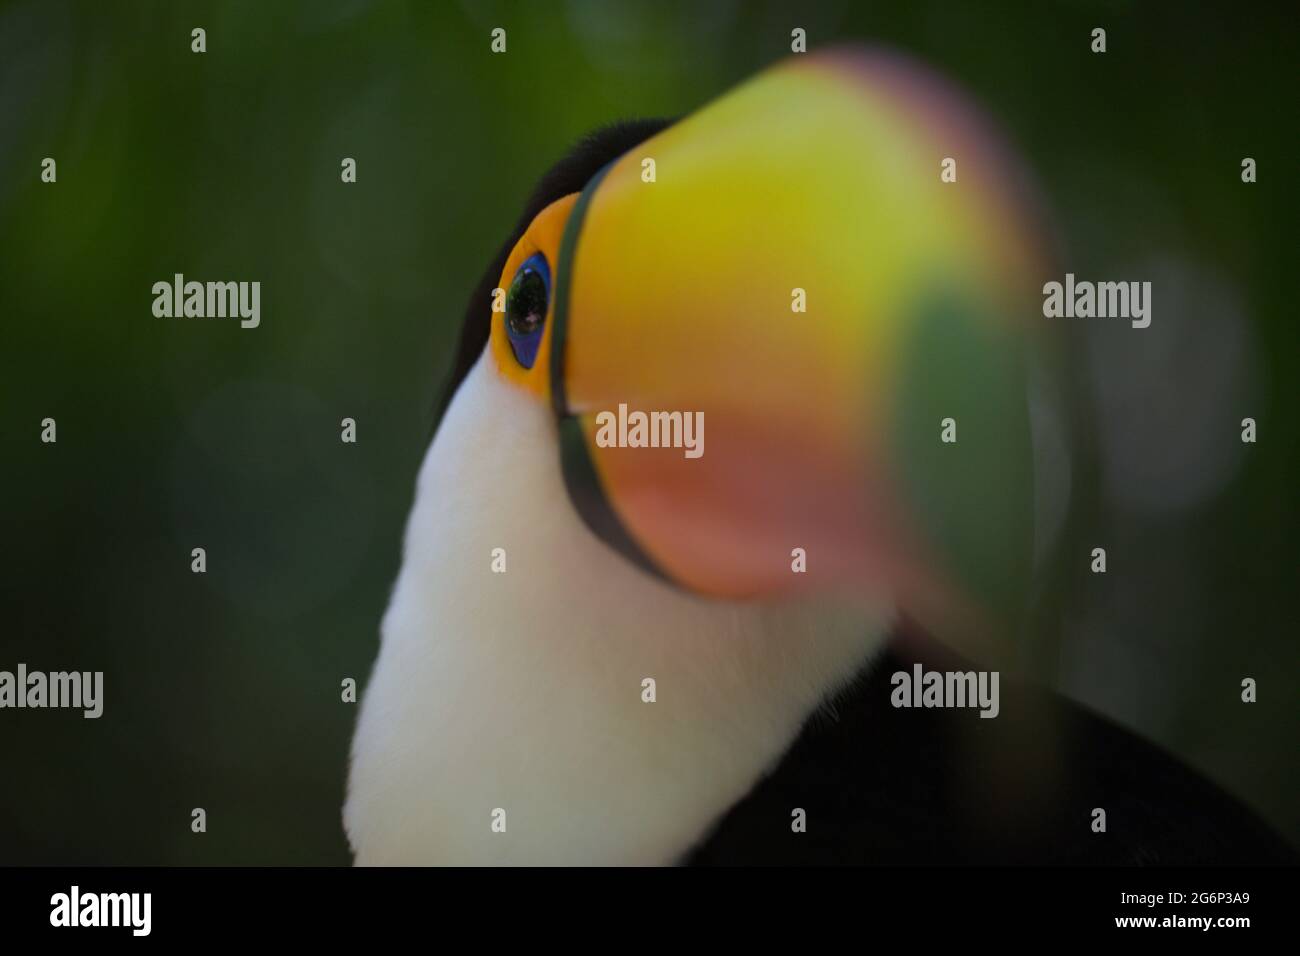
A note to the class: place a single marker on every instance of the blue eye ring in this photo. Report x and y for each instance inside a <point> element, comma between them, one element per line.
<point>528,300</point>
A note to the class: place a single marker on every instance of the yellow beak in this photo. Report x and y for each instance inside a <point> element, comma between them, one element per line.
<point>788,345</point>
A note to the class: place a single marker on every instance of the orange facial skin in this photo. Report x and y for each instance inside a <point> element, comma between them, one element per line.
<point>543,236</point>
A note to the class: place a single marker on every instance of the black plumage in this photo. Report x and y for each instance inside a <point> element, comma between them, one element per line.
<point>886,785</point>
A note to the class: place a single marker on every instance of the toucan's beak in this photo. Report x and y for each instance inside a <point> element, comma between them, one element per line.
<point>839,330</point>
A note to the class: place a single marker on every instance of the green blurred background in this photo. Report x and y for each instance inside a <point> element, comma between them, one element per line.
<point>222,690</point>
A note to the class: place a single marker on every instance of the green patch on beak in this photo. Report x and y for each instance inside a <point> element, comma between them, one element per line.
<point>961,438</point>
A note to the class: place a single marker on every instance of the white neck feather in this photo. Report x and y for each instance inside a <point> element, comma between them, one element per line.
<point>522,691</point>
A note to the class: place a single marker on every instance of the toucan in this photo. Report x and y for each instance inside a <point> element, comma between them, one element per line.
<point>601,649</point>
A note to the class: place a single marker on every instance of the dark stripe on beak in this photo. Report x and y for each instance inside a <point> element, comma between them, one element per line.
<point>580,477</point>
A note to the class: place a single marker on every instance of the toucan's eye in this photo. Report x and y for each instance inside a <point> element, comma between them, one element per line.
<point>526,302</point>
